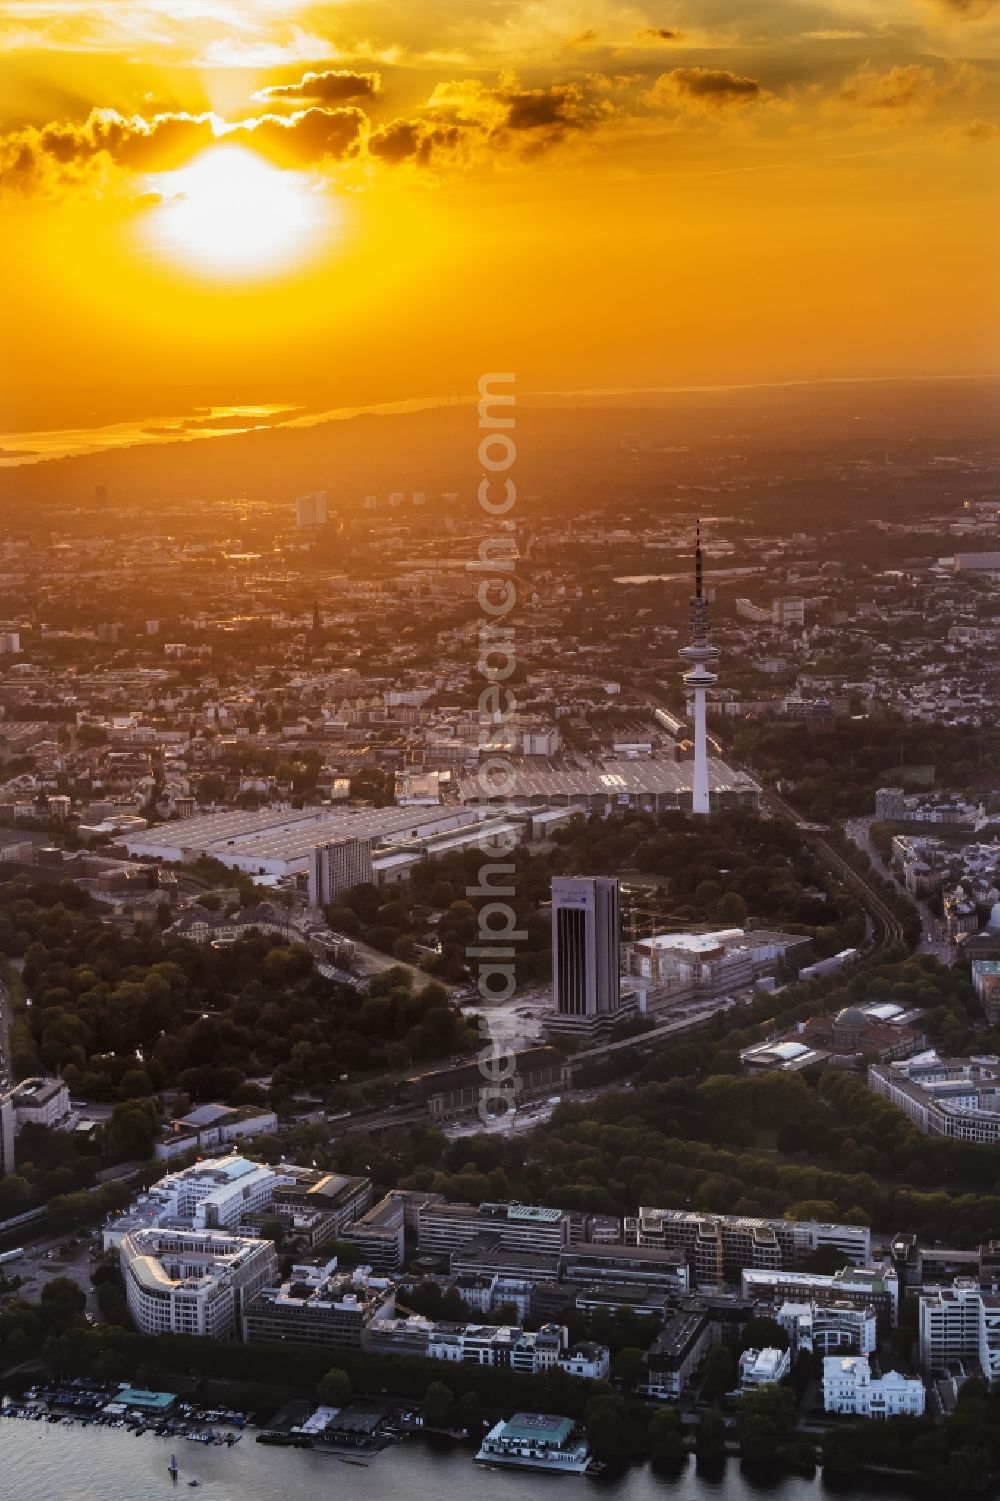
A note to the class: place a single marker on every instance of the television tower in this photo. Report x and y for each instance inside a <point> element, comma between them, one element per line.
<point>699,677</point>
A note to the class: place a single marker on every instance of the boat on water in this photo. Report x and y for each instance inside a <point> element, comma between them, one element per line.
<point>537,1441</point>
<point>173,1466</point>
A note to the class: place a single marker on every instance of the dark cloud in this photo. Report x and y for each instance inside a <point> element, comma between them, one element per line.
<point>35,158</point>
<point>534,120</point>
<point>332,87</point>
<point>18,453</point>
<point>541,109</point>
<point>418,141</point>
<point>469,118</point>
<point>658,34</point>
<point>713,84</point>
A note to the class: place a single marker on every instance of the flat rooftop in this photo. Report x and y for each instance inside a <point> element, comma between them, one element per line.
<point>535,1425</point>
<point>132,1396</point>
<point>612,779</point>
<point>36,1091</point>
<point>289,833</point>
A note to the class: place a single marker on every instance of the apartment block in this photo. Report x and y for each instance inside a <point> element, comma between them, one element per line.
<point>318,1306</point>
<point>676,1353</point>
<point>860,1287</point>
<point>717,1248</point>
<point>500,1345</point>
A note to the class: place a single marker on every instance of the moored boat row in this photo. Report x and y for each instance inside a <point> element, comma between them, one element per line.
<point>543,1442</point>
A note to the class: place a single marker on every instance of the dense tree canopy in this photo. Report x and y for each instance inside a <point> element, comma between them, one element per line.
<point>123,1016</point>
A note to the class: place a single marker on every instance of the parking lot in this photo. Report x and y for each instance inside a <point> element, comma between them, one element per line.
<point>68,1256</point>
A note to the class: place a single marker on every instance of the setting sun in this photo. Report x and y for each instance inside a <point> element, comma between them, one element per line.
<point>307,204</point>
<point>231,214</point>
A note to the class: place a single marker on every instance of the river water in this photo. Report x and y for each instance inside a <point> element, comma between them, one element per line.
<point>43,1462</point>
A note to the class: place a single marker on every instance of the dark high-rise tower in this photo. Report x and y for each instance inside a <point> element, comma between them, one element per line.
<point>585,946</point>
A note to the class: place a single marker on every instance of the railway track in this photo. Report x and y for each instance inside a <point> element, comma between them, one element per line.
<point>887,927</point>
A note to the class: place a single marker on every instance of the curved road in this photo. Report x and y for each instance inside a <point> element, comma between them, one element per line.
<point>934,939</point>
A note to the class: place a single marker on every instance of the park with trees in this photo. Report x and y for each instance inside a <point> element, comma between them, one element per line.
<point>736,868</point>
<point>123,1015</point>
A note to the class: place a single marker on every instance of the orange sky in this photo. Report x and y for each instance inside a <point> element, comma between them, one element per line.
<point>391,196</point>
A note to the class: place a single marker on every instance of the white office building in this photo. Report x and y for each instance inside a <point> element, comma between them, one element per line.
<point>829,1328</point>
<point>589,1362</point>
<point>850,1388</point>
<point>763,1368</point>
<point>219,1195</point>
<point>214,1125</point>
<point>679,966</point>
<point>193,1282</point>
<point>498,1345</point>
<point>960,1325</point>
<point>43,1102</point>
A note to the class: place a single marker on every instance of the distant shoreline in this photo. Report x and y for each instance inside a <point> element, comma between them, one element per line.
<point>27,448</point>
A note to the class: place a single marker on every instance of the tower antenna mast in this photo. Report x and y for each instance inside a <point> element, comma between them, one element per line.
<point>699,678</point>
